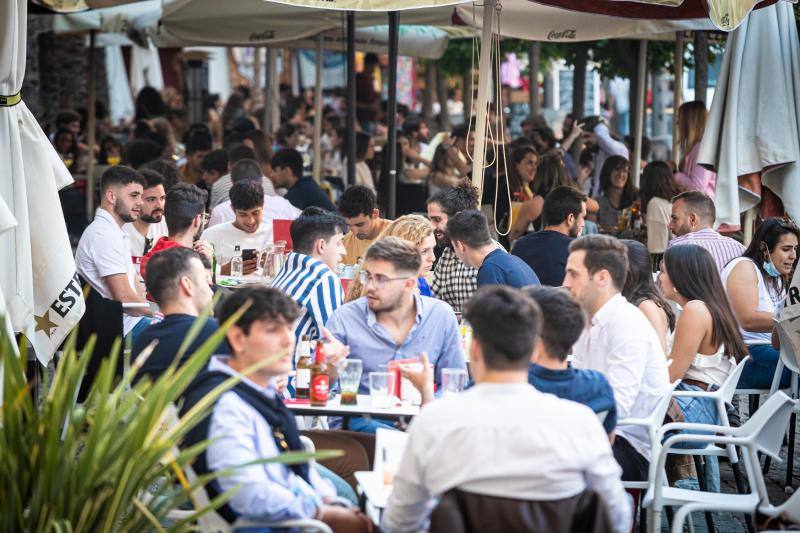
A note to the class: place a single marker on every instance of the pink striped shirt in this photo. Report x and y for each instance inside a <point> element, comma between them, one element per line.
<point>695,177</point>
<point>722,249</point>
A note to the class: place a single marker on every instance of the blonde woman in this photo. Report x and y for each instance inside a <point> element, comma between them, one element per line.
<point>691,126</point>
<point>417,230</point>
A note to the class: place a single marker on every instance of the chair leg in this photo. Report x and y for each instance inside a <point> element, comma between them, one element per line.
<point>642,516</point>
<point>790,453</point>
<point>701,480</point>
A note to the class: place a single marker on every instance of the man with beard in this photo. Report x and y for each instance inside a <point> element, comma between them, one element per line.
<point>104,256</point>
<point>453,281</point>
<point>546,251</point>
<point>185,213</point>
<point>393,321</point>
<point>150,226</point>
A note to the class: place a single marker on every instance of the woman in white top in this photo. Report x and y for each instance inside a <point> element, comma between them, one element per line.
<point>658,187</point>
<point>756,285</point>
<point>707,342</point>
<point>365,151</point>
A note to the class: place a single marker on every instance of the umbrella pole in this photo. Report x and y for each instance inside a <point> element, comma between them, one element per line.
<point>266,117</point>
<point>640,108</point>
<point>351,98</point>
<point>90,126</point>
<point>677,94</point>
<point>318,114</point>
<point>391,140</point>
<point>484,78</point>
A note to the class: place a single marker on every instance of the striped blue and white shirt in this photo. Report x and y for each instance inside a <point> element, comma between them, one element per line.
<point>315,287</point>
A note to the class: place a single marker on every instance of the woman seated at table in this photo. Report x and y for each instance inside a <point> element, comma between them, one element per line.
<point>550,173</point>
<point>617,192</point>
<point>642,292</point>
<point>417,230</point>
<point>756,285</point>
<point>443,172</point>
<point>707,342</point>
<point>658,189</point>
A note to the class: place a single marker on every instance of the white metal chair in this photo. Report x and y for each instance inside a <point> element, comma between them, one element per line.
<point>789,360</point>
<point>762,433</point>
<point>789,510</point>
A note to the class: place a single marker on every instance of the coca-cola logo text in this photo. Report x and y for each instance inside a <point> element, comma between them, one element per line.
<point>559,35</point>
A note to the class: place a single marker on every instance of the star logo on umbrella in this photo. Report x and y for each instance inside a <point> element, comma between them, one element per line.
<point>43,323</point>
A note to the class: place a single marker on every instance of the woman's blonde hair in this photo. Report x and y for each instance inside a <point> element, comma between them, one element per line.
<point>691,124</point>
<point>412,228</point>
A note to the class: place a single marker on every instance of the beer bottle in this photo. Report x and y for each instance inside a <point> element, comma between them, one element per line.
<point>303,374</point>
<point>320,381</point>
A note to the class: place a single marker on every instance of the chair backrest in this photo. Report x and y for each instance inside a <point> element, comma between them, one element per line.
<point>461,512</point>
<point>728,389</point>
<point>768,424</point>
<point>280,232</point>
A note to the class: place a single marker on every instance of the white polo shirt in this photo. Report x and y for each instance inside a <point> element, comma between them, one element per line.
<point>105,250</point>
<point>155,232</point>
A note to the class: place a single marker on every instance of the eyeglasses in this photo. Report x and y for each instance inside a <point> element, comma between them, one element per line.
<point>378,280</point>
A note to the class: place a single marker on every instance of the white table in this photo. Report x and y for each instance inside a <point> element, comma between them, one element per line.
<point>363,408</point>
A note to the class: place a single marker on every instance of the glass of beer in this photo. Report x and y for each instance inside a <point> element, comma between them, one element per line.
<point>350,379</point>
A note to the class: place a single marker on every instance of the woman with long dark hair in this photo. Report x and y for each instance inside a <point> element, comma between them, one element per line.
<point>443,174</point>
<point>617,191</point>
<point>642,292</point>
<point>707,344</point>
<point>658,189</point>
<point>756,285</point>
<point>550,173</point>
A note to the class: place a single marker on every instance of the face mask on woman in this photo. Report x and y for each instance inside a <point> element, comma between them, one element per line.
<point>769,267</point>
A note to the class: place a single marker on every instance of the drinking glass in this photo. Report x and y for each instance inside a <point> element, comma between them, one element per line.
<point>453,380</point>
<point>350,379</point>
<point>380,386</point>
<point>278,257</point>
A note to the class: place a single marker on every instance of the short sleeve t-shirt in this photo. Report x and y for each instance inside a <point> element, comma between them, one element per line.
<point>502,268</point>
<point>546,252</point>
<point>225,237</point>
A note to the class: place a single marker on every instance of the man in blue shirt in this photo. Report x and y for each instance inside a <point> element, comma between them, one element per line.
<point>546,251</point>
<point>287,173</point>
<point>550,372</point>
<point>469,233</point>
<point>178,281</point>
<point>393,321</point>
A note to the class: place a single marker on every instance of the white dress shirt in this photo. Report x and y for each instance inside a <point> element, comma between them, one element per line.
<point>239,434</point>
<point>275,208</point>
<point>105,250</point>
<point>622,344</point>
<point>505,440</point>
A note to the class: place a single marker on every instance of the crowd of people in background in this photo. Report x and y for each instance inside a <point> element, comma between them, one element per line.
<point>574,280</point>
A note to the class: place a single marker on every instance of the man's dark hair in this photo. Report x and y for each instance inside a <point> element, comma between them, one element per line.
<point>469,227</point>
<point>167,170</point>
<point>198,141</point>
<point>371,59</point>
<point>357,200</point>
<point>140,151</point>
<point>285,131</point>
<point>402,254</point>
<point>215,160</point>
<point>563,319</point>
<point>246,169</point>
<point>412,124</point>
<point>362,144</point>
<point>240,152</point>
<point>456,199</point>
<point>165,269</point>
<point>184,202</point>
<point>603,253</point>
<point>313,224</point>
<point>65,117</point>
<point>247,194</point>
<point>264,303</point>
<point>233,139</point>
<point>700,203</point>
<point>560,203</point>
<point>505,323</point>
<point>151,178</point>
<point>288,157</point>
<point>120,175</point>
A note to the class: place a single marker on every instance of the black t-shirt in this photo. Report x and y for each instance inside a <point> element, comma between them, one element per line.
<point>306,192</point>
<point>546,253</point>
<point>170,334</point>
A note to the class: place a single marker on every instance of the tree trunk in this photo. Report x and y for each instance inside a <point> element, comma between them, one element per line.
<point>534,51</point>
<point>441,93</point>
<point>579,83</point>
<point>427,95</point>
<point>700,65</point>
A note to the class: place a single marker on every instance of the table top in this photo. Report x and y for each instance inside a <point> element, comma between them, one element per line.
<point>371,483</point>
<point>364,407</point>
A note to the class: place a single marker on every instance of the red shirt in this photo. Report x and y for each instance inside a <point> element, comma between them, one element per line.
<point>161,244</point>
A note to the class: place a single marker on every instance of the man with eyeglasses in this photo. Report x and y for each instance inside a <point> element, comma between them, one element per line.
<point>185,213</point>
<point>393,322</point>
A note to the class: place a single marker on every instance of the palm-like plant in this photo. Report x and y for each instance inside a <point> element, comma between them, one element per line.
<point>110,464</point>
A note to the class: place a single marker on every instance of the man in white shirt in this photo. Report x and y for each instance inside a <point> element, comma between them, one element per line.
<point>502,437</point>
<point>150,226</point>
<point>274,207</point>
<point>104,256</point>
<point>246,231</point>
<point>620,343</point>
<point>251,169</point>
